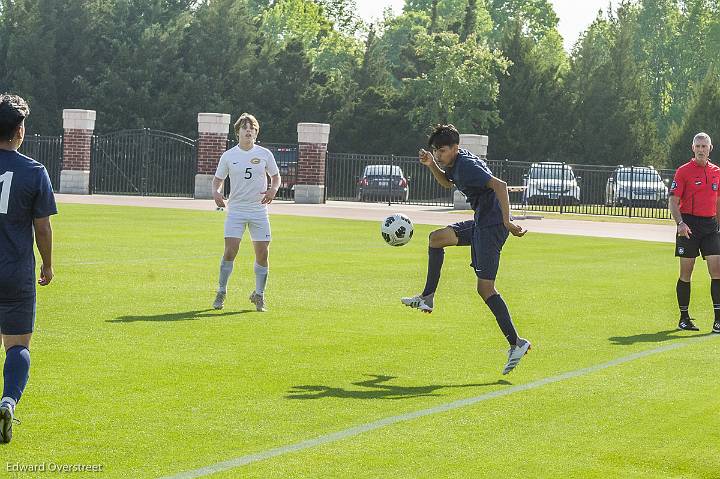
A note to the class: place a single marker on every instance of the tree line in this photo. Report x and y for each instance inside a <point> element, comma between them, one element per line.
<point>640,81</point>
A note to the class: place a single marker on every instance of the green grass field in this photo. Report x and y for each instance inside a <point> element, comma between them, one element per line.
<point>133,370</point>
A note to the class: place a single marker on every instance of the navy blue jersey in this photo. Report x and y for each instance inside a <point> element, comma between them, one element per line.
<point>25,194</point>
<point>471,175</point>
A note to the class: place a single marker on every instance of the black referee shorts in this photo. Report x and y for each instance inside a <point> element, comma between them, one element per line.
<point>704,238</point>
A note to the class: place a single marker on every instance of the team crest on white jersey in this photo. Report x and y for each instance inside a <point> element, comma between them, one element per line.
<point>255,161</point>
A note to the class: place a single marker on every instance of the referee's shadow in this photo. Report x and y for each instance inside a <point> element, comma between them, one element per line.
<point>659,337</point>
<point>377,389</point>
<point>193,315</point>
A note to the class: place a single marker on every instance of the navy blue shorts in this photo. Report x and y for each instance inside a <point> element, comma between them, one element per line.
<point>17,316</point>
<point>486,245</point>
<point>464,231</point>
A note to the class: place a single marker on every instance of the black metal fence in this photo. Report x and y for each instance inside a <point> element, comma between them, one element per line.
<point>635,191</point>
<point>382,178</point>
<point>143,162</point>
<point>151,162</point>
<point>286,157</point>
<point>47,150</point>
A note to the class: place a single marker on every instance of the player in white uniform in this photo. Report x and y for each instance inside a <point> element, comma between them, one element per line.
<point>248,166</point>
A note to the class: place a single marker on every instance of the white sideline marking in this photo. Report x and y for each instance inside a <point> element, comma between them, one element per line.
<point>354,431</point>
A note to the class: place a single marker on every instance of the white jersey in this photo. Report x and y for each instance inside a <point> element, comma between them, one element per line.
<point>248,180</point>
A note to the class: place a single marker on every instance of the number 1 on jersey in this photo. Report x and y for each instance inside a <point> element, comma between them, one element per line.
<point>5,182</point>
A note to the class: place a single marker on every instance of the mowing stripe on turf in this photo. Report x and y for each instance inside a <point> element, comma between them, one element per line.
<point>135,260</point>
<point>354,431</point>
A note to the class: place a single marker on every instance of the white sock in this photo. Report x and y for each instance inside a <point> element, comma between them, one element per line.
<point>226,268</point>
<point>261,274</point>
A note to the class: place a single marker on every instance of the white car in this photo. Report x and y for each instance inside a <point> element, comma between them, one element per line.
<point>549,182</point>
<point>637,186</point>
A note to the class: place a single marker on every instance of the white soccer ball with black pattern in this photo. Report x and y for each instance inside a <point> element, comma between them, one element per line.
<point>397,229</point>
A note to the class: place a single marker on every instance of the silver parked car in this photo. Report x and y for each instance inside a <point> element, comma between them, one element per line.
<point>549,182</point>
<point>637,186</point>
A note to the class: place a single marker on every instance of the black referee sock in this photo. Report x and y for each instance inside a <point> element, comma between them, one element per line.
<point>683,297</point>
<point>502,316</point>
<point>715,294</point>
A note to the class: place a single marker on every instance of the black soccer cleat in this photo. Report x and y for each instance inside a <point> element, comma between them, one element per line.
<point>7,418</point>
<point>716,326</point>
<point>688,325</point>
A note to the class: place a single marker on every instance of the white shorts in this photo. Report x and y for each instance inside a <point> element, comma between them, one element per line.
<point>257,223</point>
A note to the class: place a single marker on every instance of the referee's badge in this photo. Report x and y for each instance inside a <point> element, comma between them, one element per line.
<point>714,186</point>
<point>255,161</point>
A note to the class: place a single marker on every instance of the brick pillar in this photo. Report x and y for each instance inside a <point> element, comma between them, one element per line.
<point>476,144</point>
<point>212,143</point>
<point>312,152</point>
<point>78,126</point>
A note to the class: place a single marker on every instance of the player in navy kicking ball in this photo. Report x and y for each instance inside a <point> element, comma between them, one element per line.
<point>450,165</point>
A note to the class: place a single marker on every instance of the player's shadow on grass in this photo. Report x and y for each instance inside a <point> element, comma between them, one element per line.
<point>659,337</point>
<point>378,390</point>
<point>180,316</point>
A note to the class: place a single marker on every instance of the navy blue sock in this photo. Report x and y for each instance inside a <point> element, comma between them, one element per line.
<point>502,316</point>
<point>435,262</point>
<point>16,372</point>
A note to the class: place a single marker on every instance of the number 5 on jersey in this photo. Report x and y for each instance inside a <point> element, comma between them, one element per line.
<point>248,173</point>
<point>5,182</point>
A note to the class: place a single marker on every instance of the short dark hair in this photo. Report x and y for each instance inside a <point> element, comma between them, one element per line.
<point>13,111</point>
<point>444,135</point>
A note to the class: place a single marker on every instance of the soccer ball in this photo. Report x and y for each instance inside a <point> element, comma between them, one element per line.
<point>397,229</point>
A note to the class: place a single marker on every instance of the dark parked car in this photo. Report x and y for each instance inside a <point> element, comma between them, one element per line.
<point>286,159</point>
<point>383,182</point>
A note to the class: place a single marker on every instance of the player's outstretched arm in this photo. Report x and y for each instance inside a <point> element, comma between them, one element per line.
<point>427,159</point>
<point>44,239</point>
<point>501,191</point>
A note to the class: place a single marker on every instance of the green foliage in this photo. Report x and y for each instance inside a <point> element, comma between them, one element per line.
<point>533,101</point>
<point>536,17</point>
<point>702,115</point>
<point>294,21</point>
<point>613,111</point>
<point>460,86</point>
<point>490,66</point>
